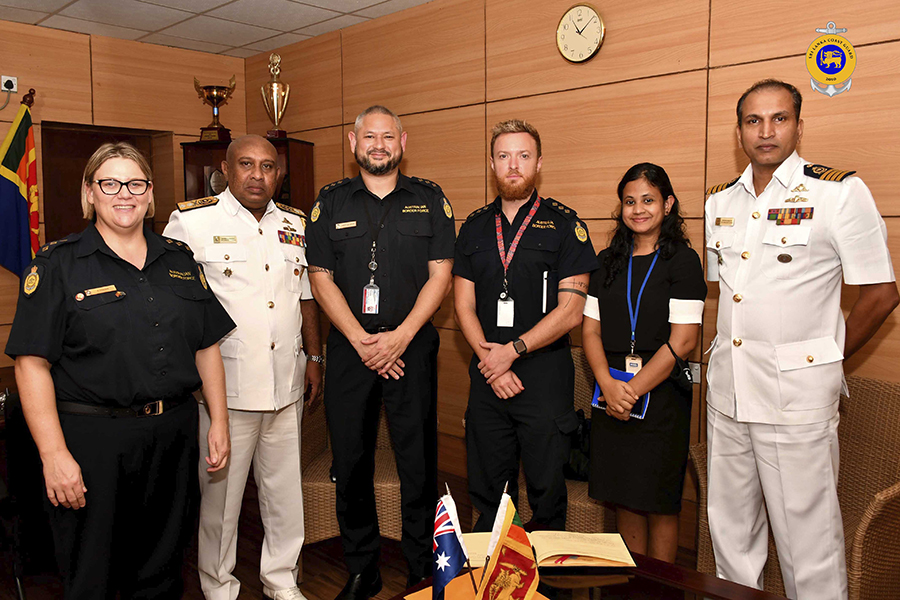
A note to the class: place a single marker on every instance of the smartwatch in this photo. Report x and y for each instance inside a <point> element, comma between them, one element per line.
<point>519,346</point>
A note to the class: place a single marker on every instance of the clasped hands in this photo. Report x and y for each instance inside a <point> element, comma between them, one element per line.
<point>620,397</point>
<point>381,352</point>
<point>496,369</point>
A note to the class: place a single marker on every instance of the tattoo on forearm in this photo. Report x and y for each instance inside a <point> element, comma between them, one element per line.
<point>319,270</point>
<point>573,291</point>
<point>578,284</point>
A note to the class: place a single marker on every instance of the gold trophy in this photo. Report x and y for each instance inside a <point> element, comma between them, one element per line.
<point>275,97</point>
<point>215,96</point>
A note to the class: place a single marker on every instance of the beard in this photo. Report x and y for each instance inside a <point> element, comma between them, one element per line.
<point>515,191</point>
<point>375,168</point>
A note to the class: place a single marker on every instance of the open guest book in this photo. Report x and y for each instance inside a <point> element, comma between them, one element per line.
<point>562,549</point>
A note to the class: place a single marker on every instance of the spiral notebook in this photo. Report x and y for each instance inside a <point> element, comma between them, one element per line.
<point>638,411</point>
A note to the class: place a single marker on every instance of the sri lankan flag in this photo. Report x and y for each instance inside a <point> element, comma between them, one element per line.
<point>511,573</point>
<point>18,195</point>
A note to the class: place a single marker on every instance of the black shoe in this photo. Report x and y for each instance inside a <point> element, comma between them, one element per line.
<point>414,580</point>
<point>361,586</point>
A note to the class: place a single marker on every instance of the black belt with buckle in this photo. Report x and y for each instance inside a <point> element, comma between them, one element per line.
<point>150,409</point>
<point>379,329</point>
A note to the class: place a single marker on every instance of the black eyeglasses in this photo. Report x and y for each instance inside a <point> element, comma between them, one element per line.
<point>111,187</point>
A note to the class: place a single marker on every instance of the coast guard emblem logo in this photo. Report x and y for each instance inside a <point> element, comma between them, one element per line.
<point>830,61</point>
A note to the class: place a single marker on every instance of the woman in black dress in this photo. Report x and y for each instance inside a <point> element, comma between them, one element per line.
<point>649,290</point>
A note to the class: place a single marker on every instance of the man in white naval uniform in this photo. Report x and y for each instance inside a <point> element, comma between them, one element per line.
<point>253,252</point>
<point>779,238</point>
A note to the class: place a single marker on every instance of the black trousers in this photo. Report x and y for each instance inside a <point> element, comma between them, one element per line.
<point>353,395</point>
<point>141,480</point>
<point>535,425</point>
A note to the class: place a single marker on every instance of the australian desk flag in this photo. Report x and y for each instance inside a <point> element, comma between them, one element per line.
<point>18,195</point>
<point>449,549</point>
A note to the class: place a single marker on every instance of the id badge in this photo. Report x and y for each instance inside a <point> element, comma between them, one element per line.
<point>505,312</point>
<point>370,299</point>
<point>633,363</point>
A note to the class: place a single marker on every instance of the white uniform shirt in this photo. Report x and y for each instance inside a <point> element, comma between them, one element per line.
<point>257,269</point>
<point>779,352</point>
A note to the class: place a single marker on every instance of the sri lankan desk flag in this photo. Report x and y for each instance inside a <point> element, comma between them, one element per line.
<point>18,195</point>
<point>511,573</point>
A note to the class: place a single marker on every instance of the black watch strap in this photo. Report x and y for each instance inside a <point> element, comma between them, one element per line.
<point>520,346</point>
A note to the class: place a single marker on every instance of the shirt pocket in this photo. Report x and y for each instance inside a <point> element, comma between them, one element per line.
<point>190,311</point>
<point>414,238</point>
<point>105,318</point>
<point>227,267</point>
<point>721,239</point>
<point>294,266</point>
<point>809,365</point>
<point>231,348</point>
<point>785,251</point>
<point>349,240</point>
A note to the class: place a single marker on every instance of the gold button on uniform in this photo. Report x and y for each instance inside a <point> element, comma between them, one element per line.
<point>271,304</point>
<point>296,259</point>
<point>737,341</point>
<point>260,231</point>
<point>737,297</point>
<point>784,240</point>
<point>227,257</point>
<point>296,271</point>
<point>745,255</point>
<point>267,267</point>
<point>810,358</point>
<point>756,215</point>
<point>272,346</point>
<point>718,244</point>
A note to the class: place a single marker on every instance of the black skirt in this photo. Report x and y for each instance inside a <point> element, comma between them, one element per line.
<point>640,464</point>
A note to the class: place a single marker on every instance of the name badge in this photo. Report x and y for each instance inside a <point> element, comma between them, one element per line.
<point>345,225</point>
<point>506,311</point>
<point>633,364</point>
<point>100,290</point>
<point>224,239</point>
<point>725,221</point>
<point>370,299</point>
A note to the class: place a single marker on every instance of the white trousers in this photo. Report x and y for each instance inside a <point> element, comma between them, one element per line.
<point>271,441</point>
<point>794,470</point>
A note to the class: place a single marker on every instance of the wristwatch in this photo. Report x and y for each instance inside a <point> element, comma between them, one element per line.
<point>519,346</point>
<point>316,358</point>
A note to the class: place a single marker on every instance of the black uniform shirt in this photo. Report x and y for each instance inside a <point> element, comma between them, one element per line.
<point>418,227</point>
<point>116,335</point>
<point>555,243</point>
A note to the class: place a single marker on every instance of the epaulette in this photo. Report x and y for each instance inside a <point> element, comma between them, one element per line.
<point>179,244</point>
<point>426,183</point>
<point>722,186</point>
<point>560,208</point>
<point>49,247</point>
<point>199,202</point>
<point>290,209</point>
<point>826,173</point>
<point>335,184</point>
<point>477,212</point>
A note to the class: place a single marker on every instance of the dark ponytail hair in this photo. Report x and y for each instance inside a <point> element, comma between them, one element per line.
<point>671,234</point>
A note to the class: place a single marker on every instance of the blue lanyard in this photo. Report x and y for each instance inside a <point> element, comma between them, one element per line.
<point>633,311</point>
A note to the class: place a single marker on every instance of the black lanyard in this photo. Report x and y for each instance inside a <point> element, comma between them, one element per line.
<point>374,232</point>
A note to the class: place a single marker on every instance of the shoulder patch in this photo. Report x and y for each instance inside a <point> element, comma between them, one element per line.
<point>826,173</point>
<point>32,280</point>
<point>335,184</point>
<point>477,212</point>
<point>49,247</point>
<point>290,209</point>
<point>198,203</point>
<point>559,207</point>
<point>722,186</point>
<point>580,231</point>
<point>178,244</point>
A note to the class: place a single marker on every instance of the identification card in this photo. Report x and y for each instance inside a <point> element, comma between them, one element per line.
<point>370,299</point>
<point>505,312</point>
<point>633,364</point>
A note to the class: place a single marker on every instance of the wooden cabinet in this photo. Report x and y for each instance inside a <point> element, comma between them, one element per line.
<point>203,175</point>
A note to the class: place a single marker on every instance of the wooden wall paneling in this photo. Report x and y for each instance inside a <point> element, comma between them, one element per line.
<point>328,155</point>
<point>5,361</point>
<point>453,382</point>
<point>590,137</point>
<point>163,151</point>
<point>452,459</point>
<point>8,379</point>
<point>9,296</point>
<point>741,32</point>
<point>427,57</point>
<point>856,130</point>
<point>56,64</point>
<point>147,86</point>
<point>313,70</point>
<point>445,317</point>
<point>642,39</point>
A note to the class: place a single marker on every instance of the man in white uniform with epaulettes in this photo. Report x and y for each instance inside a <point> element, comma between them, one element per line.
<point>779,239</point>
<point>254,254</point>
